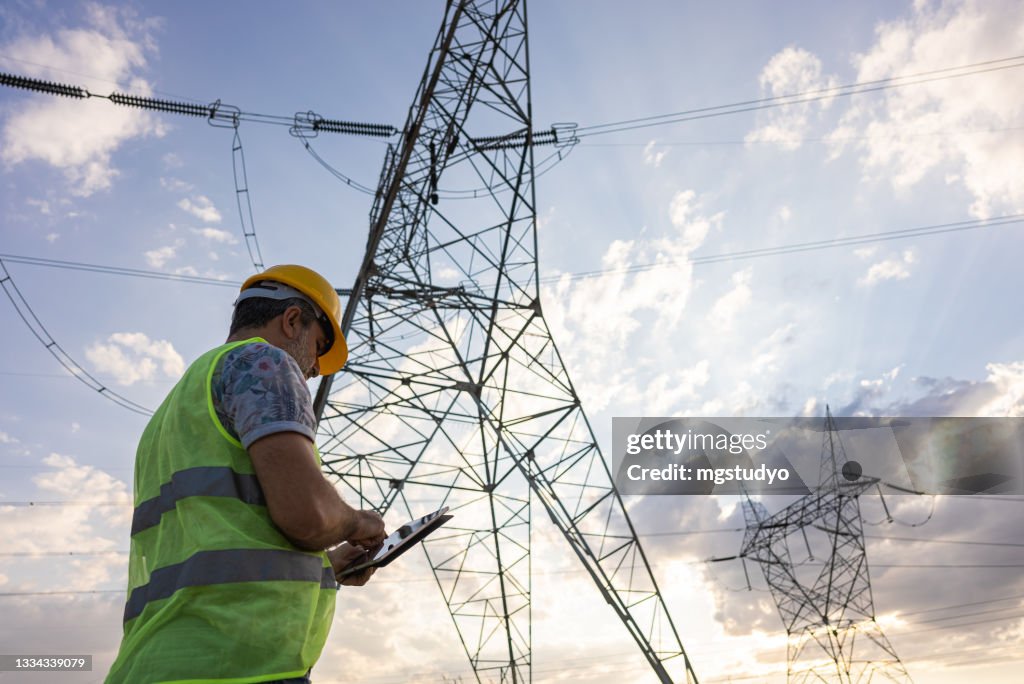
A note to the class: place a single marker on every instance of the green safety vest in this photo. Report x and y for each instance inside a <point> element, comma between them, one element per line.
<point>215,592</point>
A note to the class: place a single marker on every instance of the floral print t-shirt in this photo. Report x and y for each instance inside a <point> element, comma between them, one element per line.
<point>259,390</point>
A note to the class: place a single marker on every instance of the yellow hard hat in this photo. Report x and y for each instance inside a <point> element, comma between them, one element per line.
<point>319,291</point>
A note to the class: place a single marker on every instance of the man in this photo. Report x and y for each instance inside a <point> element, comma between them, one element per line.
<point>228,577</point>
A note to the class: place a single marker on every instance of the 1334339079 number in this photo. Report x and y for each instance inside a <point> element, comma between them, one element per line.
<point>45,663</point>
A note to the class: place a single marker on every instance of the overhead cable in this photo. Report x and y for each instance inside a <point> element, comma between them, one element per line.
<point>803,97</point>
<point>213,112</point>
<point>36,327</point>
<point>116,270</point>
<point>902,234</point>
<point>311,123</point>
<point>924,231</point>
<point>541,168</point>
<point>245,209</point>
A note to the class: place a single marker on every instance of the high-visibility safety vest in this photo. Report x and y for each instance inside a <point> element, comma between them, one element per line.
<point>215,592</point>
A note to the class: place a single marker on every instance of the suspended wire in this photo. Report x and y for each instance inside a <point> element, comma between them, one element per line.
<point>93,77</point>
<point>891,519</point>
<point>1015,597</point>
<point>65,592</point>
<point>311,123</point>
<point>681,533</point>
<point>36,327</point>
<point>696,261</point>
<point>944,541</point>
<point>33,554</point>
<point>215,112</point>
<point>803,97</point>
<point>355,185</point>
<point>117,270</point>
<point>541,168</point>
<point>800,140</point>
<point>65,502</point>
<point>885,236</point>
<point>242,189</point>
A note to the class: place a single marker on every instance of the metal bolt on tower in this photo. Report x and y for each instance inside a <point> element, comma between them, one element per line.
<point>454,389</point>
<point>828,605</point>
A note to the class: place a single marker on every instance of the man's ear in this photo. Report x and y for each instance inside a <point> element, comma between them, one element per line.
<point>291,322</point>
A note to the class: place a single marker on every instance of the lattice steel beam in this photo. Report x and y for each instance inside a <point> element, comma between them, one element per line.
<point>830,605</point>
<point>454,389</point>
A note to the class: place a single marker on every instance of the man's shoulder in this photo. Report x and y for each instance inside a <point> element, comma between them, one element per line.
<point>258,390</point>
<point>259,357</point>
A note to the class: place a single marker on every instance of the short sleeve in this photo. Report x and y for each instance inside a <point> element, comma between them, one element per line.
<point>259,390</point>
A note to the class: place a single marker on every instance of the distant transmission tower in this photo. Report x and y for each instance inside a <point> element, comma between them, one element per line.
<point>827,609</point>
<point>454,391</point>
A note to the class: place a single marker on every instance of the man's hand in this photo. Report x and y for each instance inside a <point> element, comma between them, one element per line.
<point>368,530</point>
<point>345,555</point>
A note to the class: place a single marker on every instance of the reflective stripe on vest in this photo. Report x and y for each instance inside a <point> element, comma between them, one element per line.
<point>233,565</point>
<point>216,592</point>
<point>201,481</point>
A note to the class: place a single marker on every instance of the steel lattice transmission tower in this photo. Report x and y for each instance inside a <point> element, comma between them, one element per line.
<point>454,391</point>
<point>827,609</point>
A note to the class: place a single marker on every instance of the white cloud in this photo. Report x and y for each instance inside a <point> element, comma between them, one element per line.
<point>172,161</point>
<point>7,439</point>
<point>216,235</point>
<point>69,480</point>
<point>894,131</point>
<point>726,308</point>
<point>161,255</point>
<point>202,208</point>
<point>79,136</point>
<point>175,185</point>
<point>448,274</point>
<point>628,307</point>
<point>1007,382</point>
<point>132,357</point>
<point>42,205</point>
<point>889,269</point>
<point>793,70</point>
<point>653,157</point>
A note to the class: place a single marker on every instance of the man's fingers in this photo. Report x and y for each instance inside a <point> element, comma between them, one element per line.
<point>359,579</point>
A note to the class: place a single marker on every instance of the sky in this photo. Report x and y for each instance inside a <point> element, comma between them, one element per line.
<point>920,326</point>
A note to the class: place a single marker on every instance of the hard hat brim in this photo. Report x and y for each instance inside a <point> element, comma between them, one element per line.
<point>316,287</point>
<point>337,355</point>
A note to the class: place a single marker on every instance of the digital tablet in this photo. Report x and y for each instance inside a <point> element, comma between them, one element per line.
<point>400,541</point>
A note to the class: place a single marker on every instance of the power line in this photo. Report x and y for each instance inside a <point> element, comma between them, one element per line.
<point>215,113</point>
<point>245,212</point>
<point>885,236</point>
<point>36,327</point>
<point>65,503</point>
<point>541,168</point>
<point>65,592</point>
<point>965,615</point>
<point>802,140</point>
<point>803,97</point>
<point>1015,597</point>
<point>117,270</point>
<point>968,624</point>
<point>944,541</point>
<point>33,554</point>
<point>679,533</point>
